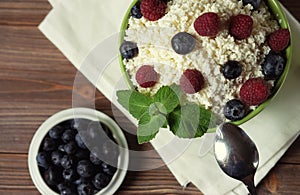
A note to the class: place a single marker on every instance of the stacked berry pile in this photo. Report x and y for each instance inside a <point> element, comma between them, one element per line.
<point>66,162</point>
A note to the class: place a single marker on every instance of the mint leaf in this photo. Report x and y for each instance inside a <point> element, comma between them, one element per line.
<point>149,126</point>
<point>139,104</point>
<point>157,108</point>
<point>207,120</point>
<point>177,90</point>
<point>189,121</point>
<point>136,103</point>
<point>168,97</point>
<point>183,121</point>
<point>123,98</point>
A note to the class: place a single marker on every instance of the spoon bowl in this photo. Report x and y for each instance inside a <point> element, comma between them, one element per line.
<point>236,154</point>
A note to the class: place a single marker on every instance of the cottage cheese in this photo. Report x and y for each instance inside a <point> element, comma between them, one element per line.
<point>154,42</point>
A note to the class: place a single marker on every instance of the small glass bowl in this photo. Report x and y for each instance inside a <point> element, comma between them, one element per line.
<point>84,113</point>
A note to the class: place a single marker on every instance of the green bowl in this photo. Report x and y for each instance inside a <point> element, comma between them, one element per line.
<point>279,14</point>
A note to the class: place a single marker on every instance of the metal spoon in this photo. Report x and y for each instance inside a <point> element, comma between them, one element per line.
<point>236,154</point>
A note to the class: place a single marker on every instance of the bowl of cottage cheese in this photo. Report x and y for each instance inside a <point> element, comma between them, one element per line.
<point>230,57</point>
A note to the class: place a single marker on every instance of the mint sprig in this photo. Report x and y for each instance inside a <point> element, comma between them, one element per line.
<point>188,120</point>
<point>167,97</point>
<point>136,103</point>
<point>149,126</point>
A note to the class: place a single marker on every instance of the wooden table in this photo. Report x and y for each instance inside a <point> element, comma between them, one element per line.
<point>36,81</point>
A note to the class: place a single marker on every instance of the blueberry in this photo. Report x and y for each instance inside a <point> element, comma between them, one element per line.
<point>42,160</point>
<point>56,132</point>
<point>254,3</point>
<point>85,168</point>
<point>129,49</point>
<point>60,186</point>
<point>101,180</point>
<point>70,148</point>
<point>82,154</point>
<point>232,69</point>
<point>95,132</point>
<point>235,110</point>
<point>66,189</point>
<point>85,189</point>
<point>81,180</point>
<point>67,161</point>
<point>49,144</point>
<point>108,169</point>
<point>79,141</point>
<point>68,135</point>
<point>69,174</point>
<point>61,148</point>
<point>52,176</point>
<point>136,11</point>
<point>94,159</point>
<point>183,43</point>
<point>66,124</point>
<point>273,66</point>
<point>56,157</point>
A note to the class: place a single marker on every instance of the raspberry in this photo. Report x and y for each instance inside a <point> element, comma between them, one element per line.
<point>153,9</point>
<point>254,91</point>
<point>241,26</point>
<point>207,24</point>
<point>146,76</point>
<point>279,40</point>
<point>191,81</point>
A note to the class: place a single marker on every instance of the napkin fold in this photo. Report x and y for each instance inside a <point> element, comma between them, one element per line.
<point>86,32</point>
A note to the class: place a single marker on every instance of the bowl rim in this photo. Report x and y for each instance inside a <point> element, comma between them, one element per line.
<point>280,16</point>
<point>72,113</point>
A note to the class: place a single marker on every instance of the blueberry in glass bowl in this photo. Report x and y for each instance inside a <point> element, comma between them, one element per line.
<point>78,151</point>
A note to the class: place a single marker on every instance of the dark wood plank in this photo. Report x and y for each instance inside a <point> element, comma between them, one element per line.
<point>283,179</point>
<point>292,156</point>
<point>36,82</point>
<point>157,181</point>
<point>24,13</point>
<point>14,172</point>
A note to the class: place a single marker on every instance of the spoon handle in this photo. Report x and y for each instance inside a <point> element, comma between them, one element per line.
<point>249,182</point>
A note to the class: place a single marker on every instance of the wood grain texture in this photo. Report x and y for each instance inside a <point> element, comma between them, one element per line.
<point>23,13</point>
<point>36,81</point>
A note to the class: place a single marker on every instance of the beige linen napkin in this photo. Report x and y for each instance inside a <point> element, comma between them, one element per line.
<point>77,27</point>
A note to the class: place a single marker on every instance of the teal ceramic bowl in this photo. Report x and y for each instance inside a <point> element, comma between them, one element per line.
<point>277,11</point>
